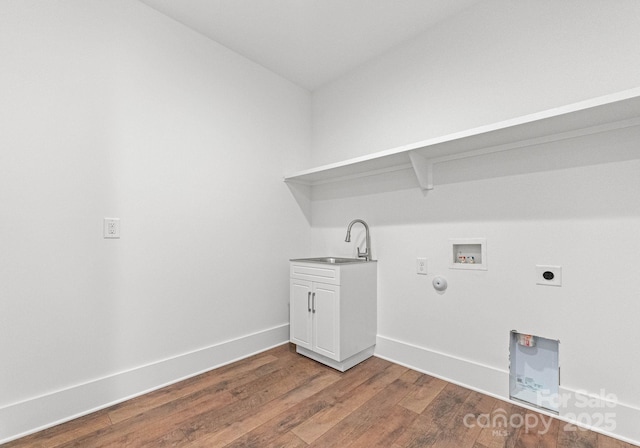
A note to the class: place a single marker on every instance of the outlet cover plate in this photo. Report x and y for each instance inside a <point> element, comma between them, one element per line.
<point>548,275</point>
<point>421,266</point>
<point>111,227</point>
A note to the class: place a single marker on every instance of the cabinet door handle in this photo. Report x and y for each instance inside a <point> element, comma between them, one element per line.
<point>309,301</point>
<point>313,301</point>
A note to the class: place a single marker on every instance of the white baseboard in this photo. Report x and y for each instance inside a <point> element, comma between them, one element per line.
<point>600,414</point>
<point>463,372</point>
<point>35,414</point>
<point>495,382</point>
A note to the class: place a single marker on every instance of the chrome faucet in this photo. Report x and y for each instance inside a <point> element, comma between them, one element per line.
<point>367,253</point>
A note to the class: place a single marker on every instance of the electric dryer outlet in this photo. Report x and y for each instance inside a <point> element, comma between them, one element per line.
<point>548,275</point>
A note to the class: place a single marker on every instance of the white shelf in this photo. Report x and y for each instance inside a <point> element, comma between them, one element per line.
<point>603,114</point>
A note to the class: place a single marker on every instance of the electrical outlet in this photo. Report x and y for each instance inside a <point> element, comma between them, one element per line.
<point>111,227</point>
<point>548,275</point>
<point>421,266</point>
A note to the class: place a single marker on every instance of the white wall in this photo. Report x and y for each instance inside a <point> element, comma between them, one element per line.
<point>572,204</point>
<point>110,109</point>
<point>494,61</point>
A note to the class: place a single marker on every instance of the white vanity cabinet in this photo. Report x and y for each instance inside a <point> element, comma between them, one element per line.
<point>333,311</point>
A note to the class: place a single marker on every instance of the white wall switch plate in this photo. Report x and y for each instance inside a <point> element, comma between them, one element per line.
<point>421,266</point>
<point>112,227</point>
<point>548,275</point>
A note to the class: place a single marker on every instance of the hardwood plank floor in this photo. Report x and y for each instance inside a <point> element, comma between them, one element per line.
<point>281,399</point>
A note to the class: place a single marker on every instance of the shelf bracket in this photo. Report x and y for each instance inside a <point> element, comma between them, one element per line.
<point>423,168</point>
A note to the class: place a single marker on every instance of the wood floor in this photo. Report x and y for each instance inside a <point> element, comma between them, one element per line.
<point>281,399</point>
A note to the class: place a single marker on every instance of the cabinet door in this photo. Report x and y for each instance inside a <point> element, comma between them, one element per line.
<point>300,316</point>
<point>326,305</point>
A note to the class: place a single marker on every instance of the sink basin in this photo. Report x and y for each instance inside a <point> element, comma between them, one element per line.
<point>331,260</point>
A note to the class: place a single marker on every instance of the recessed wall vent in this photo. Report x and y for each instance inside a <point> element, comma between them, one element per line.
<point>534,371</point>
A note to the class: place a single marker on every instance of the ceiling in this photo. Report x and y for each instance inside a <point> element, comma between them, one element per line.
<point>310,42</point>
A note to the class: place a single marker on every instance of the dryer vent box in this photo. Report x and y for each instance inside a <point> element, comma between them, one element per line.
<point>534,371</point>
